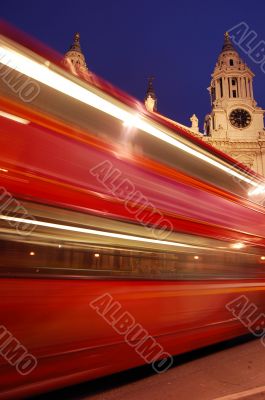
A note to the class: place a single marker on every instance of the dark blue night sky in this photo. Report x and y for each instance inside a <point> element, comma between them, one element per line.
<point>126,41</point>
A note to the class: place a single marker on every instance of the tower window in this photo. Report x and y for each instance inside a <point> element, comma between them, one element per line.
<point>231,62</point>
<point>233,81</point>
<point>221,87</point>
<point>234,93</point>
<point>213,96</point>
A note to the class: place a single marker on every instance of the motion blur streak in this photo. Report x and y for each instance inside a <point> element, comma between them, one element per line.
<point>13,117</point>
<point>93,232</point>
<point>91,238</point>
<point>43,74</point>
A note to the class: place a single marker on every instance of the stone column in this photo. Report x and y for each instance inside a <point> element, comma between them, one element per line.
<point>251,88</point>
<point>239,94</point>
<point>225,87</point>
<point>242,87</point>
<point>247,86</point>
<point>229,86</point>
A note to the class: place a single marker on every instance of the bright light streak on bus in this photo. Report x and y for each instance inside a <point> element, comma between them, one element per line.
<point>14,118</point>
<point>95,232</point>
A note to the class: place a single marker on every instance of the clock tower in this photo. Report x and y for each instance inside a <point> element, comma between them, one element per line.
<point>235,124</point>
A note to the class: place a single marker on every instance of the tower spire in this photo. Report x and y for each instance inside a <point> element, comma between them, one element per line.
<point>74,56</point>
<point>150,99</point>
<point>76,43</point>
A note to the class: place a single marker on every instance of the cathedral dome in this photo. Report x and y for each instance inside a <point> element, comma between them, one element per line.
<point>228,45</point>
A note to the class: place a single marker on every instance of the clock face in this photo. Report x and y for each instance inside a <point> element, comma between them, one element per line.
<point>240,118</point>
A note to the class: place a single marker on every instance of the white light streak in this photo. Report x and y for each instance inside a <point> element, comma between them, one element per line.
<point>132,121</point>
<point>95,232</point>
<point>14,118</point>
<point>258,190</point>
<point>238,246</point>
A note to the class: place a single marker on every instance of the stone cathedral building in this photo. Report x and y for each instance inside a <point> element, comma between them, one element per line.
<point>235,124</point>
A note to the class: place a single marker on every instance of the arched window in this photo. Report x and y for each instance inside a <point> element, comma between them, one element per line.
<point>231,62</point>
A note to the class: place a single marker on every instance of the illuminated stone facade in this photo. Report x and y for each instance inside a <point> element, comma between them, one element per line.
<point>235,124</point>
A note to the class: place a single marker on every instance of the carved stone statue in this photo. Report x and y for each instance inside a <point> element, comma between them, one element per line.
<point>194,123</point>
